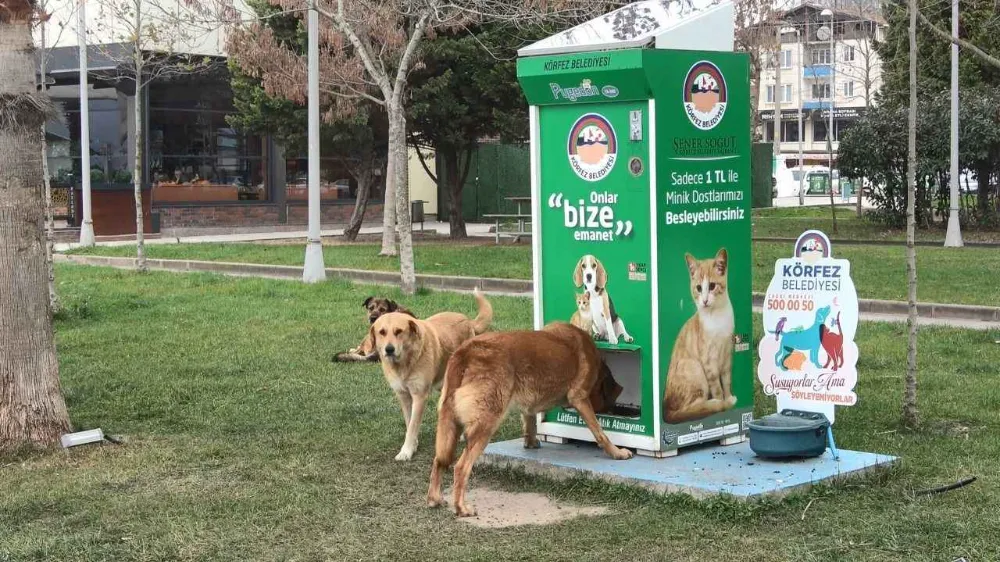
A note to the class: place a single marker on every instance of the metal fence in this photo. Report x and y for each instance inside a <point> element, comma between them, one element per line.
<point>496,171</point>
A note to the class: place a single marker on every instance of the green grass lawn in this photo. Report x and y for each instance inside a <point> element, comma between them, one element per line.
<point>964,276</point>
<point>246,443</point>
<point>789,222</point>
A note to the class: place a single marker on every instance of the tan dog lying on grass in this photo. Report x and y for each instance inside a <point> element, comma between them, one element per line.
<point>537,370</point>
<point>414,354</point>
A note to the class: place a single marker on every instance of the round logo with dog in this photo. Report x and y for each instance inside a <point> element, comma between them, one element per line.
<point>705,95</point>
<point>592,147</point>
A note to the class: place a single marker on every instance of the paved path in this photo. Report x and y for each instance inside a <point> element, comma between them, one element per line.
<point>980,318</point>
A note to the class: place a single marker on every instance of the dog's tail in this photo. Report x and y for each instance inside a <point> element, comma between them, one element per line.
<point>484,318</point>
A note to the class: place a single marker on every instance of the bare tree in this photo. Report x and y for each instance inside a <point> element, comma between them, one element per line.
<point>383,35</point>
<point>32,409</point>
<point>159,35</point>
<point>755,37</point>
<point>910,414</point>
<point>49,218</point>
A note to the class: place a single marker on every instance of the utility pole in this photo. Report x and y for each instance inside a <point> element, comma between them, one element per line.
<point>801,99</point>
<point>87,224</point>
<point>314,270</point>
<point>953,237</point>
<point>777,96</point>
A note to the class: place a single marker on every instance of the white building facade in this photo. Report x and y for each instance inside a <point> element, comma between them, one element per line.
<point>796,83</point>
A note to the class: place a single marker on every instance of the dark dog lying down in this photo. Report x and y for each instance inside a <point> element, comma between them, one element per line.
<point>374,308</point>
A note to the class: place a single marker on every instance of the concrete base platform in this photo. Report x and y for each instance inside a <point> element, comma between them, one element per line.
<point>698,471</point>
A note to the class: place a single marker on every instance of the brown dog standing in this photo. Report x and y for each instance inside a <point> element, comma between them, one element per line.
<point>556,366</point>
<point>414,355</point>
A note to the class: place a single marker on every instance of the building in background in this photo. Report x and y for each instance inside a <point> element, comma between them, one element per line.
<point>806,63</point>
<point>201,173</point>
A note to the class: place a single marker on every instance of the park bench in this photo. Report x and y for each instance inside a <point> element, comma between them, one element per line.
<point>519,216</point>
<point>515,234</point>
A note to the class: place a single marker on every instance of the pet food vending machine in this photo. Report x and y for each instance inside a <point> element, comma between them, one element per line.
<point>640,179</point>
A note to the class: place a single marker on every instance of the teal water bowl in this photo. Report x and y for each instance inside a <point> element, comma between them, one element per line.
<point>789,434</point>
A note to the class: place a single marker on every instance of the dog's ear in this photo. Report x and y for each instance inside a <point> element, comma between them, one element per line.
<point>578,272</point>
<point>413,327</point>
<point>602,275</point>
<point>368,300</point>
<point>393,307</point>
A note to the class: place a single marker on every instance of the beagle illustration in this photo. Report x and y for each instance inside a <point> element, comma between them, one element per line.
<point>589,273</point>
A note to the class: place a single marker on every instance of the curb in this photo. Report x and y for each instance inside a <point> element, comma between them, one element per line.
<point>522,287</point>
<point>891,243</point>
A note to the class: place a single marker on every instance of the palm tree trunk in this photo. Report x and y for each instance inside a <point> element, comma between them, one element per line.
<point>32,409</point>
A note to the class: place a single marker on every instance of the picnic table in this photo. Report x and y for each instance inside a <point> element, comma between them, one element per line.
<point>520,216</point>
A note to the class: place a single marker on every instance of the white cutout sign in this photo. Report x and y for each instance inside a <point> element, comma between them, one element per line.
<point>808,358</point>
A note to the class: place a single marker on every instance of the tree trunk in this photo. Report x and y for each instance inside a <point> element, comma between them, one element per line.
<point>32,409</point>
<point>137,179</point>
<point>389,238</point>
<point>364,174</point>
<point>454,181</point>
<point>398,159</point>
<point>49,220</point>
<point>910,414</point>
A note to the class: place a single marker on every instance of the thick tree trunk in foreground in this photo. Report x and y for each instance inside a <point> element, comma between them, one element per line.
<point>32,409</point>
<point>910,414</point>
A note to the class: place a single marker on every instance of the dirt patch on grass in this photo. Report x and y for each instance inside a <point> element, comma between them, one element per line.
<point>498,509</point>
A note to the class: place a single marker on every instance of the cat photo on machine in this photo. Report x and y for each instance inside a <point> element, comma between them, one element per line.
<point>699,379</point>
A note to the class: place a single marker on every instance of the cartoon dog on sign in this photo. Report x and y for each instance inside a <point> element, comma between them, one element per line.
<point>808,340</point>
<point>590,273</point>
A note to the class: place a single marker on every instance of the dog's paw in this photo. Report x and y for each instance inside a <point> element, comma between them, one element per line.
<point>465,511</point>
<point>436,502</point>
<point>628,339</point>
<point>622,454</point>
<point>405,454</point>
<point>532,444</point>
<point>731,401</point>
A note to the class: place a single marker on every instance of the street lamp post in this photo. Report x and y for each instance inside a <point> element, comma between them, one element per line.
<point>953,236</point>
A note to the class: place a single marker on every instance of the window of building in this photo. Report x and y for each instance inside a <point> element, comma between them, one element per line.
<point>109,134</point>
<point>820,55</point>
<point>849,89</point>
<point>195,156</point>
<point>786,93</point>
<point>790,130</point>
<point>769,94</point>
<point>848,53</point>
<point>786,58</point>
<point>335,181</point>
<point>819,131</point>
<point>821,91</point>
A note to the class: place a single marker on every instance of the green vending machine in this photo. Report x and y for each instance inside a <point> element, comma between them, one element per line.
<point>640,156</point>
